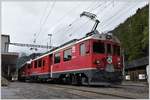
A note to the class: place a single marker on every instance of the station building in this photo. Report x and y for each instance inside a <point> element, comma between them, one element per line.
<point>137,70</point>
<point>8,59</point>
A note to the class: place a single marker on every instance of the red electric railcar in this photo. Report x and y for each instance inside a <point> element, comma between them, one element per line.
<point>93,59</point>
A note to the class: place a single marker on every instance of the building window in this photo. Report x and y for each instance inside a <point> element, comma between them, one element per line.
<point>57,58</point>
<point>98,47</point>
<point>82,49</point>
<point>109,49</point>
<point>67,55</point>
<point>35,64</point>
<point>39,63</point>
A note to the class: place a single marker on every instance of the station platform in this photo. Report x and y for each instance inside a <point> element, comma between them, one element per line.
<point>137,83</point>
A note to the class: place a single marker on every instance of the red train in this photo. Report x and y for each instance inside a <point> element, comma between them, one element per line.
<point>93,59</point>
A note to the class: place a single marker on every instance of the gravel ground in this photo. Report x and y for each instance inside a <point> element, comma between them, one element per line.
<point>20,90</point>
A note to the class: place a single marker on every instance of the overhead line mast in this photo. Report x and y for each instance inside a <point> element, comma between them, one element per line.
<point>30,45</point>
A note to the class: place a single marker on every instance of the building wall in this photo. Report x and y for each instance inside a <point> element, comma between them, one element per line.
<point>4,46</point>
<point>9,59</point>
<point>137,74</point>
<point>136,70</point>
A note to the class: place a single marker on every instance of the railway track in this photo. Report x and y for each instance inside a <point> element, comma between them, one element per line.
<point>59,91</point>
<point>88,92</point>
<point>74,90</point>
<point>128,86</point>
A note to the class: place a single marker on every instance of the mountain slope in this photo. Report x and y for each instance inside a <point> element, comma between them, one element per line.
<point>134,34</point>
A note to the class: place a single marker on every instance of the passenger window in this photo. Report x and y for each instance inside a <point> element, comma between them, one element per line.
<point>109,49</point>
<point>43,62</point>
<point>57,58</point>
<point>98,47</point>
<point>28,66</point>
<point>35,64</point>
<point>67,55</point>
<point>32,64</point>
<point>82,49</point>
<point>39,63</point>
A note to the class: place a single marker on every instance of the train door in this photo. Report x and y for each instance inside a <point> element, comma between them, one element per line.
<point>28,69</point>
<point>51,64</point>
<point>46,63</point>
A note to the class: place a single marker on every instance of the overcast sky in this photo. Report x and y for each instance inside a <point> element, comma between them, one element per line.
<point>24,21</point>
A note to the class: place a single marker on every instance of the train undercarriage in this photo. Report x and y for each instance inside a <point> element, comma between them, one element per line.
<point>86,77</point>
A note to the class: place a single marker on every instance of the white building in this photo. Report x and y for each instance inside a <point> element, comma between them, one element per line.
<point>9,59</point>
<point>5,39</point>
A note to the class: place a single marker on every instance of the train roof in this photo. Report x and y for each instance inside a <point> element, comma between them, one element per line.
<point>88,36</point>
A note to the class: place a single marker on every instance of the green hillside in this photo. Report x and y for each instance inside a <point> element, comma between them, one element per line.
<point>134,34</point>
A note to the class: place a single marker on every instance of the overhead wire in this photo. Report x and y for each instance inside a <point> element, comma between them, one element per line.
<point>110,18</point>
<point>99,11</point>
<point>100,23</point>
<point>78,18</point>
<point>50,10</point>
<point>42,17</point>
<point>61,18</point>
<point>115,14</point>
<point>75,20</point>
<point>70,11</point>
<point>88,20</point>
<point>83,24</point>
<point>44,13</point>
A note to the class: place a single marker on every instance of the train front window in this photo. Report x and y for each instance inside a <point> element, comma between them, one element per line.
<point>109,49</point>
<point>116,50</point>
<point>98,47</point>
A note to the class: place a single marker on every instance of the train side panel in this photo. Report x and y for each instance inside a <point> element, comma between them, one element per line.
<point>78,61</point>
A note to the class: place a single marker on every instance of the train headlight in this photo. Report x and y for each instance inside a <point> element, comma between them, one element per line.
<point>97,62</point>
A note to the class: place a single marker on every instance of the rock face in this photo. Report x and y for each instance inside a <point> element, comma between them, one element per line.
<point>4,82</point>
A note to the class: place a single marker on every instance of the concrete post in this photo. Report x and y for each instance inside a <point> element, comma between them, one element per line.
<point>8,71</point>
<point>123,72</point>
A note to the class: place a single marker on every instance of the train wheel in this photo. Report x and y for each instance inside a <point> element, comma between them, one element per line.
<point>84,81</point>
<point>79,79</point>
<point>73,79</point>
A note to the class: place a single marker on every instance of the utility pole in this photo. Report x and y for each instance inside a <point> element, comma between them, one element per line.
<point>123,63</point>
<point>50,36</point>
<point>34,42</point>
<point>47,46</point>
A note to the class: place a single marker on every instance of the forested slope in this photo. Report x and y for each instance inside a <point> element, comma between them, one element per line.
<point>134,34</point>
